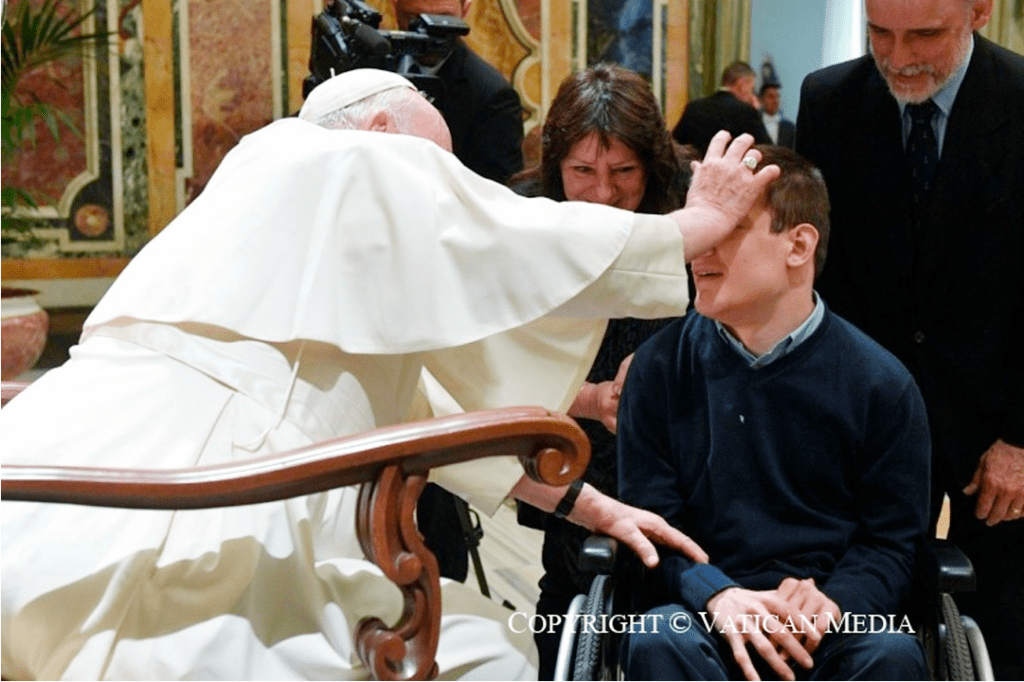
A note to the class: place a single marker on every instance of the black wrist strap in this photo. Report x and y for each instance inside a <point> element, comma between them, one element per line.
<point>564,507</point>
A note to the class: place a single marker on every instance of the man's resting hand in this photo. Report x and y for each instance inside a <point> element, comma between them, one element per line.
<point>600,513</point>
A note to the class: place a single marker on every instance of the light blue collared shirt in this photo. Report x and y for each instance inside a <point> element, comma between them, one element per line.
<point>943,99</point>
<point>784,346</point>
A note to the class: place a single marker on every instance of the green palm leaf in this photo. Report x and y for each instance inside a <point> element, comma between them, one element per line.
<point>34,35</point>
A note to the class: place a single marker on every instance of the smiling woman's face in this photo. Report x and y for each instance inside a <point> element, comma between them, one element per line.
<point>612,176</point>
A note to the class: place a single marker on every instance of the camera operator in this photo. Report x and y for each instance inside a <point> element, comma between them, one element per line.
<point>481,108</point>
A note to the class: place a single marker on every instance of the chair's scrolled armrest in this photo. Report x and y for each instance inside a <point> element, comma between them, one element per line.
<point>391,464</point>
<point>552,448</point>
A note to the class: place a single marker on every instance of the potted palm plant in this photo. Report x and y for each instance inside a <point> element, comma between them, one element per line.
<point>34,34</point>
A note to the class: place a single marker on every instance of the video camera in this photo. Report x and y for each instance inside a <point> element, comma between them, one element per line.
<point>346,35</point>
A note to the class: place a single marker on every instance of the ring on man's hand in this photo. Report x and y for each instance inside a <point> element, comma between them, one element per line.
<point>1015,511</point>
<point>750,162</point>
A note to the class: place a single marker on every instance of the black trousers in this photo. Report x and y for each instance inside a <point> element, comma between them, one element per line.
<point>439,523</point>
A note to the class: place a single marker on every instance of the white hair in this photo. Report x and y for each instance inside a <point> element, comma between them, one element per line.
<point>398,101</point>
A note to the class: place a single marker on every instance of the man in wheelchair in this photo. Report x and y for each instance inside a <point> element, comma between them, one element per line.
<point>793,449</point>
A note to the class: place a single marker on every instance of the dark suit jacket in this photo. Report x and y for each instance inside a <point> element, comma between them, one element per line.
<point>787,133</point>
<point>484,115</point>
<point>947,298</point>
<point>702,118</point>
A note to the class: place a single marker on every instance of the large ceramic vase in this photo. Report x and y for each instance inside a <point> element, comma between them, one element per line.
<point>25,325</point>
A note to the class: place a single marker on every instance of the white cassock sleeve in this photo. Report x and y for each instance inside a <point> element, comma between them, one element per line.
<point>374,243</point>
<point>386,244</point>
<point>546,361</point>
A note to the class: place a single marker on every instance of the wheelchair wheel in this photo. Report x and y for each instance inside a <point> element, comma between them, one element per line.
<point>958,664</point>
<point>591,645</point>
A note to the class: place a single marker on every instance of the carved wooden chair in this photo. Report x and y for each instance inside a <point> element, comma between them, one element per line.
<point>391,466</point>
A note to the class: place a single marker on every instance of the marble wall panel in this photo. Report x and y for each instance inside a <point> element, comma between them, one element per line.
<point>231,79</point>
<point>493,38</point>
<point>93,179</point>
<point>224,70</point>
<point>529,14</point>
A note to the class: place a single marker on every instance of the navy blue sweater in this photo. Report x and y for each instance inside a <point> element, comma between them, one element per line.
<point>816,465</point>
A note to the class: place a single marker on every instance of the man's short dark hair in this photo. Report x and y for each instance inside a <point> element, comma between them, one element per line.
<point>736,71</point>
<point>798,196</point>
<point>768,86</point>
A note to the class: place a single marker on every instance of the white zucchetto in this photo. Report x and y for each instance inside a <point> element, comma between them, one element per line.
<point>348,88</point>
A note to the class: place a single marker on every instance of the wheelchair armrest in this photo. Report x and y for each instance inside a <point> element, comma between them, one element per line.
<point>598,554</point>
<point>947,568</point>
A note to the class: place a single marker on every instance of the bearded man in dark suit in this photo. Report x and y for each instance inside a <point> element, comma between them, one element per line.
<point>928,258</point>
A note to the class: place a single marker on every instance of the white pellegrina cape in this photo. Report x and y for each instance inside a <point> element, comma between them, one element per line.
<point>324,283</point>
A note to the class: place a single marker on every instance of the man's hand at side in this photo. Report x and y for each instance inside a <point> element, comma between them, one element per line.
<point>632,526</point>
<point>999,483</point>
<point>600,513</point>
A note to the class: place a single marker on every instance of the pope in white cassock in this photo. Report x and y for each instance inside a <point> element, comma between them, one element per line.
<point>330,279</point>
